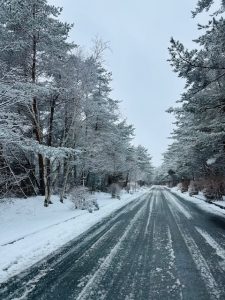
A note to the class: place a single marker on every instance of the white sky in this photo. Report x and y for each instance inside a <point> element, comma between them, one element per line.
<point>139,32</point>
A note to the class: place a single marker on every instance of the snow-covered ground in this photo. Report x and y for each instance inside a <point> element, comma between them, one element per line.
<point>201,201</point>
<point>216,202</point>
<point>29,232</point>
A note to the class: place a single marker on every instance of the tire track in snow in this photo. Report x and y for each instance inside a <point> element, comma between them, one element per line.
<point>131,279</point>
<point>220,251</point>
<point>199,260</point>
<point>164,280</point>
<point>172,265</point>
<point>137,282</point>
<point>152,201</point>
<point>96,277</point>
<point>179,207</point>
<point>82,264</point>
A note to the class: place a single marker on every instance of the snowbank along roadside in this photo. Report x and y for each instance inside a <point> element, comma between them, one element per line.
<point>200,201</point>
<point>30,232</point>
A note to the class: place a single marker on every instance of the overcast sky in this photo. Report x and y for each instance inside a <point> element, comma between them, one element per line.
<point>139,32</point>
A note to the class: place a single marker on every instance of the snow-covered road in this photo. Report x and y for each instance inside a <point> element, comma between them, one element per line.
<point>159,247</point>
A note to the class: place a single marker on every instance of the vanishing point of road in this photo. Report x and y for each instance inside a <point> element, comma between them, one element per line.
<point>157,247</point>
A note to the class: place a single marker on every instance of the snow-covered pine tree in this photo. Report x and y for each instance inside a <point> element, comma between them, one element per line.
<point>36,40</point>
<point>199,136</point>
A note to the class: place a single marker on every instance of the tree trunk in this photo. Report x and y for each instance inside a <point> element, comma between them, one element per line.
<point>65,179</point>
<point>48,180</point>
<point>47,184</point>
<point>127,180</point>
<point>36,121</point>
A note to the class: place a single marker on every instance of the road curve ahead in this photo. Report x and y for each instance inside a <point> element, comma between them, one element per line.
<point>157,247</point>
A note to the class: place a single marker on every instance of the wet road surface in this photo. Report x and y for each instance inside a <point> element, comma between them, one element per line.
<point>157,247</point>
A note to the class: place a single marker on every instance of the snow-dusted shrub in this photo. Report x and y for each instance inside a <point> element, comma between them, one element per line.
<point>193,188</point>
<point>209,192</point>
<point>130,188</point>
<point>81,198</point>
<point>213,189</point>
<point>115,190</point>
<point>183,186</point>
<point>134,186</point>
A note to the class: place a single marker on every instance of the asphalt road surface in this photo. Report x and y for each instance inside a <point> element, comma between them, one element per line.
<point>157,247</point>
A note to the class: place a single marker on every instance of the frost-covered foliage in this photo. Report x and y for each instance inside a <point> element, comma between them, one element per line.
<point>206,5</point>
<point>59,126</point>
<point>198,148</point>
<point>183,186</point>
<point>214,188</point>
<point>193,188</point>
<point>80,196</point>
<point>115,190</point>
